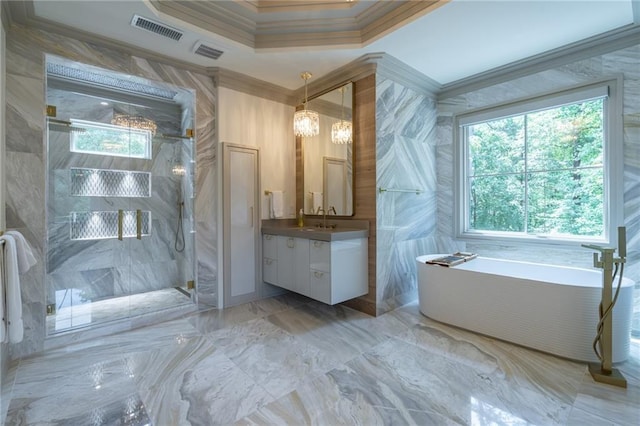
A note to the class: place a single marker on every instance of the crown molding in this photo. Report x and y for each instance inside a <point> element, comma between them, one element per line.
<point>379,63</point>
<point>241,23</point>
<point>251,86</point>
<point>210,16</point>
<point>396,70</point>
<point>395,18</point>
<point>262,6</point>
<point>608,42</point>
<point>354,70</point>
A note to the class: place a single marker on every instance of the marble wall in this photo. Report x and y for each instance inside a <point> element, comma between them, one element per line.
<point>405,159</point>
<point>25,159</point>
<point>610,65</point>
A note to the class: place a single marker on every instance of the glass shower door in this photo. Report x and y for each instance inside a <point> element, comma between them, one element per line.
<point>120,163</point>
<point>91,223</point>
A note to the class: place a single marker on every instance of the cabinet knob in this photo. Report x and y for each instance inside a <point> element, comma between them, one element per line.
<point>290,243</point>
<point>317,243</point>
<point>267,237</point>
<point>268,261</point>
<point>318,274</point>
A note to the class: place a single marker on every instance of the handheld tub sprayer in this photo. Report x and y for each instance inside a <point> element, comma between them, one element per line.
<point>602,344</point>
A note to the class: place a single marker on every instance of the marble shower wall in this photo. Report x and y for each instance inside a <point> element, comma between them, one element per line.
<point>405,159</point>
<point>610,65</point>
<point>25,162</point>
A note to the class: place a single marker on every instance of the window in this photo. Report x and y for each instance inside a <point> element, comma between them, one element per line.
<point>106,139</point>
<point>545,168</point>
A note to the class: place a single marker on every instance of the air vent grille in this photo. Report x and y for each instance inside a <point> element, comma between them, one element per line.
<point>156,27</point>
<point>209,52</point>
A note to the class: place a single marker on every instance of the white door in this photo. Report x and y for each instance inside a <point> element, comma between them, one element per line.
<point>241,223</point>
<point>335,185</point>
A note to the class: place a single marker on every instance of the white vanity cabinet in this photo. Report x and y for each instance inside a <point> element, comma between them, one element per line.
<point>338,270</point>
<point>328,271</point>
<point>293,264</point>
<point>270,259</point>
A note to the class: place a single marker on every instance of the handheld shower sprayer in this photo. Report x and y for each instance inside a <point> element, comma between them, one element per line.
<point>179,242</point>
<point>602,344</point>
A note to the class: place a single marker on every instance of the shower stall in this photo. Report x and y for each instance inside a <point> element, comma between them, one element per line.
<point>120,197</point>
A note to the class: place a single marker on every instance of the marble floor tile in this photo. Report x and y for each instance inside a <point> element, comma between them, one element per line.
<point>37,399</point>
<point>322,401</point>
<point>515,364</point>
<point>387,324</point>
<point>193,383</point>
<point>158,336</point>
<point>618,405</point>
<point>275,359</point>
<point>344,339</point>
<point>579,417</point>
<point>291,361</point>
<point>216,319</point>
<point>402,376</point>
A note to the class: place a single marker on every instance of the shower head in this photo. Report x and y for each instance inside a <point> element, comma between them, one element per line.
<point>64,126</point>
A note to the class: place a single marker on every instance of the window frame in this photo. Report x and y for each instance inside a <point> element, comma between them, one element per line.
<point>87,125</point>
<point>611,89</point>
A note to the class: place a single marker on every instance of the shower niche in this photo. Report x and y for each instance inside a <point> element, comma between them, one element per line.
<point>120,197</point>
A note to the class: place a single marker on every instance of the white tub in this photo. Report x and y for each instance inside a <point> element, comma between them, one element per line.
<point>550,308</point>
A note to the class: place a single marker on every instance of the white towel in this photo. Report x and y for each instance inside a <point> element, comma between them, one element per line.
<point>13,301</point>
<point>277,204</point>
<point>316,201</point>
<point>26,259</point>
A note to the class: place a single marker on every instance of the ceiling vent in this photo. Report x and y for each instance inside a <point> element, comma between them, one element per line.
<point>207,51</point>
<point>156,27</point>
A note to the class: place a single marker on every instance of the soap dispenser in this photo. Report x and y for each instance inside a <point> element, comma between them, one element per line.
<point>301,218</point>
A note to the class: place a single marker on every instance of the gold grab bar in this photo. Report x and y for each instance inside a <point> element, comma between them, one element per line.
<point>120,217</point>
<point>139,224</point>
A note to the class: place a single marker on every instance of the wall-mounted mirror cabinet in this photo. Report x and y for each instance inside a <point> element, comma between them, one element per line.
<point>326,160</point>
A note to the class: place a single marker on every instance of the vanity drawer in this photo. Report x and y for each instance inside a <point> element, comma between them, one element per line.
<point>320,255</point>
<point>269,246</point>
<point>320,286</point>
<point>270,270</point>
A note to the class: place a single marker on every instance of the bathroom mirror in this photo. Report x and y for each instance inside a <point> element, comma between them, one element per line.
<point>326,160</point>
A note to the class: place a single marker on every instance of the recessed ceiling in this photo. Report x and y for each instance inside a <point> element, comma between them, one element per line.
<point>276,40</point>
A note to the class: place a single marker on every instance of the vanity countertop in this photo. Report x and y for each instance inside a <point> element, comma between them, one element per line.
<point>340,232</point>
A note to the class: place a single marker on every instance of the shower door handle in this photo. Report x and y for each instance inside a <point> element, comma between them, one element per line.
<point>120,216</point>
<point>139,224</point>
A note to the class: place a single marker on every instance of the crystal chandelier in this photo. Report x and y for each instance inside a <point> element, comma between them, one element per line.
<point>306,123</point>
<point>134,122</point>
<point>341,131</point>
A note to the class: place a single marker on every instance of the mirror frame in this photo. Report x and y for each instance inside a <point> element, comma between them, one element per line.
<point>300,154</point>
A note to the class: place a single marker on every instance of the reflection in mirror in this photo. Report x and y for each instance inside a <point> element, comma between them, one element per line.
<point>327,164</point>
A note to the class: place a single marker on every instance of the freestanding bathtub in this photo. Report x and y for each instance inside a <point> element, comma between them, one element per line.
<point>550,308</point>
